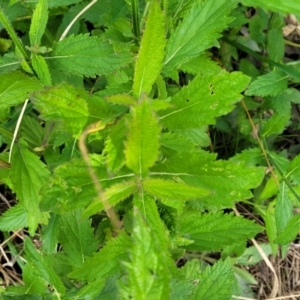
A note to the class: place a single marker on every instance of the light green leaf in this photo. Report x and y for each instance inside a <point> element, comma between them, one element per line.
<point>41,267</point>
<point>227,181</point>
<point>198,31</point>
<point>290,231</point>
<point>106,262</point>
<point>65,103</point>
<point>251,256</point>
<point>141,147</point>
<point>216,282</point>
<point>114,194</point>
<point>28,175</point>
<point>15,87</point>
<point>122,99</point>
<point>41,68</point>
<point>172,193</point>
<point>9,62</point>
<point>77,237</point>
<point>283,6</point>
<point>147,273</point>
<point>91,289</point>
<point>84,55</point>
<point>204,99</point>
<point>293,170</point>
<point>177,142</point>
<point>151,54</point>
<point>14,219</point>
<point>38,22</point>
<point>214,231</point>
<point>270,84</point>
<point>276,124</point>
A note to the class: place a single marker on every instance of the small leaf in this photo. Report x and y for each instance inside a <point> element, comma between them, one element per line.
<point>216,282</point>
<point>77,237</point>
<point>83,55</point>
<point>121,99</point>
<point>270,84</point>
<point>290,232</point>
<point>141,147</point>
<point>172,193</point>
<point>8,63</point>
<point>149,61</point>
<point>15,87</point>
<point>276,124</point>
<point>214,231</point>
<point>41,267</point>
<point>147,274</point>
<point>106,262</point>
<point>14,219</point>
<point>198,31</point>
<point>38,22</point>
<point>65,103</point>
<point>114,194</point>
<point>41,68</point>
<point>28,175</point>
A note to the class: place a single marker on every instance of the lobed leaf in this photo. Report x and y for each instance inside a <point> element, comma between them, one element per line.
<point>83,55</point>
<point>141,147</point>
<point>151,54</point>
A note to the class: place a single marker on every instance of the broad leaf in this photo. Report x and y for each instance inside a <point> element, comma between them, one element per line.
<point>216,282</point>
<point>290,231</point>
<point>227,181</point>
<point>204,99</point>
<point>147,274</point>
<point>85,55</point>
<point>270,84</point>
<point>106,262</point>
<point>173,193</point>
<point>276,124</point>
<point>8,63</point>
<point>149,61</point>
<point>64,103</point>
<point>28,175</point>
<point>38,22</point>
<point>198,31</point>
<point>41,267</point>
<point>141,147</point>
<point>77,237</point>
<point>15,87</point>
<point>214,231</point>
<point>14,219</point>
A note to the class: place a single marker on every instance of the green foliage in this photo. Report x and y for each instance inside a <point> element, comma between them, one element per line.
<point>136,144</point>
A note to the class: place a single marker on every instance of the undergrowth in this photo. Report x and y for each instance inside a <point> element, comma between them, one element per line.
<point>129,130</point>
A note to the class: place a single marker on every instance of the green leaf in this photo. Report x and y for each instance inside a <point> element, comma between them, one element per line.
<point>214,231</point>
<point>141,147</point>
<point>14,219</point>
<point>204,99</point>
<point>227,181</point>
<point>172,193</point>
<point>41,267</point>
<point>276,124</point>
<point>290,231</point>
<point>282,6</point>
<point>106,262</point>
<point>121,99</point>
<point>84,55</point>
<point>8,63</point>
<point>77,237</point>
<point>28,175</point>
<point>251,256</point>
<point>15,87</point>
<point>41,68</point>
<point>114,194</point>
<point>65,103</point>
<point>147,274</point>
<point>151,54</point>
<point>91,289</point>
<point>270,84</point>
<point>275,45</point>
<point>216,282</point>
<point>198,31</point>
<point>38,22</point>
